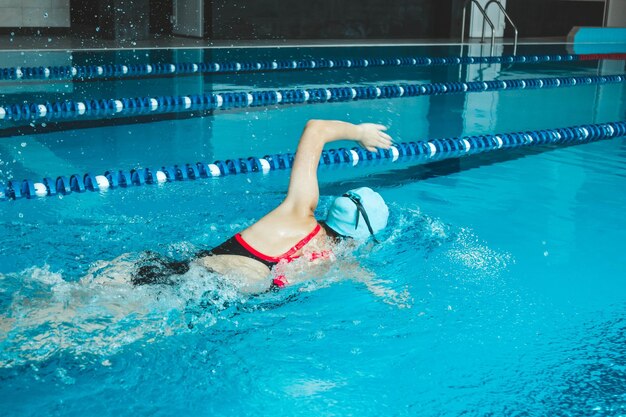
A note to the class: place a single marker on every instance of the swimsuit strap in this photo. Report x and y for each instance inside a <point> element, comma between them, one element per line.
<point>301,244</point>
<point>287,255</point>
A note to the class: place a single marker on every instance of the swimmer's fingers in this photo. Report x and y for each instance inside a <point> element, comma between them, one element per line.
<point>372,137</point>
<point>380,127</point>
<point>384,136</point>
<point>384,142</point>
<point>378,144</point>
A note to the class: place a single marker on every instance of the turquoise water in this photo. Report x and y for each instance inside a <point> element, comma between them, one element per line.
<point>498,288</point>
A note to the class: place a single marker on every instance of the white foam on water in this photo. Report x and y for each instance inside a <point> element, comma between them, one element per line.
<point>103,312</point>
<point>475,257</point>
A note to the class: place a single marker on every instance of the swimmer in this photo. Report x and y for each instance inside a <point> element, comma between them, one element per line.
<point>259,256</point>
<point>286,246</point>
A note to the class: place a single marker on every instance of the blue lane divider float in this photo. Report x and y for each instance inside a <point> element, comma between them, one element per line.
<point>242,99</point>
<point>166,68</point>
<point>424,151</point>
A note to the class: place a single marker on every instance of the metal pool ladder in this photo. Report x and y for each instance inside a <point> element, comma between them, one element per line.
<point>507,18</point>
<point>483,11</point>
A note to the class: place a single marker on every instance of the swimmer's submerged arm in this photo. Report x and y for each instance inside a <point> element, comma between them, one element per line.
<point>303,194</point>
<point>377,286</point>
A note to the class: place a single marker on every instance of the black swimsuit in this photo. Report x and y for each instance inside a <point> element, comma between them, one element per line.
<point>155,269</point>
<point>233,246</point>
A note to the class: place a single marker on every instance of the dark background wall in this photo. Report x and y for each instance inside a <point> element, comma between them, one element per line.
<point>389,19</point>
<point>324,19</point>
<point>553,17</point>
<point>160,17</point>
<point>120,19</point>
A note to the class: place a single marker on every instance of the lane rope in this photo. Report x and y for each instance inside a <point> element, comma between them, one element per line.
<point>423,151</point>
<point>242,99</point>
<point>87,72</point>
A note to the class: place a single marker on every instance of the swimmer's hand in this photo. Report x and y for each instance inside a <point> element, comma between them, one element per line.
<point>373,136</point>
<point>377,286</point>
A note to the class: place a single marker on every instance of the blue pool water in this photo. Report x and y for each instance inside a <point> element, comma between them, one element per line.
<point>500,280</point>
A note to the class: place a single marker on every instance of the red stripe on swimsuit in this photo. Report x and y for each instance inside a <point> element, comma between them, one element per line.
<point>287,255</point>
<point>281,280</point>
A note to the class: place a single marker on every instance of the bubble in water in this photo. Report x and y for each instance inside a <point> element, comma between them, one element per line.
<point>23,144</point>
<point>45,15</point>
<point>20,215</point>
<point>97,28</point>
<point>63,377</point>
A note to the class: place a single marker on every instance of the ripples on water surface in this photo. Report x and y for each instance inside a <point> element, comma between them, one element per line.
<point>503,306</point>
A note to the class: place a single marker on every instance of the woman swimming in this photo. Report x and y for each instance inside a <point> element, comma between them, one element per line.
<point>290,232</point>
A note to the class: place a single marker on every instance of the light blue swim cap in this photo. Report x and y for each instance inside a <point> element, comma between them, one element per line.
<point>345,218</point>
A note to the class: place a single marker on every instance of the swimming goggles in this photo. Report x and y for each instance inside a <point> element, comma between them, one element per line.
<point>356,199</point>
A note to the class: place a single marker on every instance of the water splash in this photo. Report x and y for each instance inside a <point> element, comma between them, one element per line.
<point>475,257</point>
<point>458,248</point>
<point>100,314</point>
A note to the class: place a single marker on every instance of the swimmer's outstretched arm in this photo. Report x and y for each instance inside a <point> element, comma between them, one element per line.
<point>303,194</point>
<point>377,286</point>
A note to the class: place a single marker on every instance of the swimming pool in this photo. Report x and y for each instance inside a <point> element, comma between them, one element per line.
<point>509,265</point>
